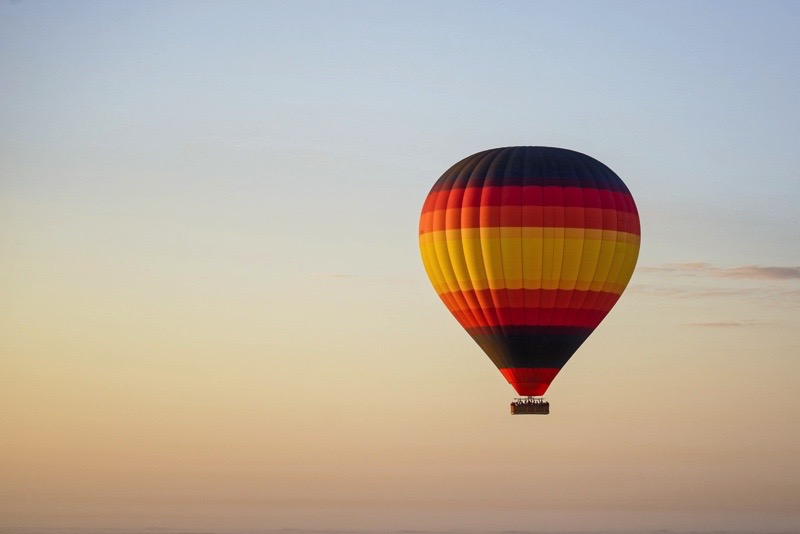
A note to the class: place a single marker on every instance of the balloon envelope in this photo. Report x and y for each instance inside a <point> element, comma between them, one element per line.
<point>529,248</point>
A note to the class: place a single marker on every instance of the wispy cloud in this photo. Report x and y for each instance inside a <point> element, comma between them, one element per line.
<point>727,324</point>
<point>692,292</point>
<point>765,273</point>
<point>758,272</point>
<point>764,285</point>
<point>690,267</point>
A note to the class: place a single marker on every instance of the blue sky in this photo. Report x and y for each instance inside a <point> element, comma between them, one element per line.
<point>208,219</point>
<point>699,96</point>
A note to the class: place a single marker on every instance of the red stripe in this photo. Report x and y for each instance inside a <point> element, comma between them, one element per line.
<point>530,381</point>
<point>529,307</point>
<point>529,216</point>
<point>483,318</point>
<point>529,195</point>
<point>539,298</point>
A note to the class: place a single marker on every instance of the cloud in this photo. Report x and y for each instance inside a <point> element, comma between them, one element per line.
<point>757,272</point>
<point>689,267</point>
<point>723,324</point>
<point>692,292</point>
<point>764,273</point>
<point>768,285</point>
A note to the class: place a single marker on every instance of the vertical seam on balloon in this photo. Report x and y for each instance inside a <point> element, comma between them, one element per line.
<point>551,309</point>
<point>436,269</point>
<point>541,157</point>
<point>556,156</point>
<point>630,211</point>
<point>583,240</point>
<point>488,337</point>
<point>515,156</point>
<point>626,249</point>
<point>597,297</point>
<point>432,262</point>
<point>454,258</point>
<point>510,173</point>
<point>525,182</point>
<point>599,183</point>
<point>499,340</point>
<point>609,293</point>
<point>484,326</point>
<point>562,173</point>
<point>506,355</point>
<point>611,277</point>
<point>443,257</point>
<point>522,180</point>
<point>507,178</point>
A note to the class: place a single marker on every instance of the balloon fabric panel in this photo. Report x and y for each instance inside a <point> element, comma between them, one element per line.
<point>529,248</point>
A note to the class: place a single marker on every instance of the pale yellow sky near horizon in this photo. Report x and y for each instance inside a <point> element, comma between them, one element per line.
<point>661,413</point>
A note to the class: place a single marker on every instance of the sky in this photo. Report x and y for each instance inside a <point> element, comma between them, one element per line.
<point>215,317</point>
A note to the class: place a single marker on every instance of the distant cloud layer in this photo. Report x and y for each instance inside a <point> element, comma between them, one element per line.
<point>769,273</point>
<point>725,324</point>
<point>770,285</point>
<point>759,272</point>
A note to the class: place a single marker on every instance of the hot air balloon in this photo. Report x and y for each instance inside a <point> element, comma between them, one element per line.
<point>529,248</point>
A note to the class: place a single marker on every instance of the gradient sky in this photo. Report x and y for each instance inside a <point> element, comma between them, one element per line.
<point>214,311</point>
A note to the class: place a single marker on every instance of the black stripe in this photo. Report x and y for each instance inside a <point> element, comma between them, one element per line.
<point>530,165</point>
<point>530,346</point>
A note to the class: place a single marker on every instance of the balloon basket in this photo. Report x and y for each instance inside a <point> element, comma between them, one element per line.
<point>530,405</point>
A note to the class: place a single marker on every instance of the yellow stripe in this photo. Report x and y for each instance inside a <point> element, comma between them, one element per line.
<point>512,260</point>
<point>432,266</point>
